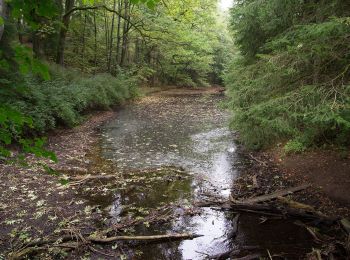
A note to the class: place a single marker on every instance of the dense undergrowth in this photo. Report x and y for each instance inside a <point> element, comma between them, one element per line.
<point>64,98</point>
<point>290,79</point>
<point>38,105</point>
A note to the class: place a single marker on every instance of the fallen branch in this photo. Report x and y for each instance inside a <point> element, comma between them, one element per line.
<point>270,210</point>
<point>257,160</point>
<point>275,195</point>
<point>41,245</point>
<point>143,238</point>
<point>295,204</point>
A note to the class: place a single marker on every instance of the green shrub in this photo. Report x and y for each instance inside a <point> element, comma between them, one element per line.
<point>68,94</point>
<point>294,146</point>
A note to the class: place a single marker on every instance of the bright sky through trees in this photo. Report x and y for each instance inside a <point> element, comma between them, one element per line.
<point>225,4</point>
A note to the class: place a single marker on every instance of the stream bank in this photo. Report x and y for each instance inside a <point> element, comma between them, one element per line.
<point>158,157</point>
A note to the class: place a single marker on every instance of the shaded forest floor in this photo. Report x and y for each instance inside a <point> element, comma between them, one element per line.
<point>326,172</point>
<point>34,204</point>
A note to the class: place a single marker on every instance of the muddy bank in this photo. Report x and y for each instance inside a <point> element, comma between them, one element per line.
<point>326,173</point>
<point>264,173</point>
<point>35,204</point>
<point>327,170</point>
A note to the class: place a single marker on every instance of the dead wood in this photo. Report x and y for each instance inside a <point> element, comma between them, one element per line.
<point>257,160</point>
<point>346,225</point>
<point>42,245</point>
<point>276,194</point>
<point>143,238</point>
<point>91,177</point>
<point>255,182</point>
<point>295,204</point>
<point>271,210</point>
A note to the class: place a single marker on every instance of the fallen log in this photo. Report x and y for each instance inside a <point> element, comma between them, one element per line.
<point>143,238</point>
<point>42,245</point>
<point>276,194</point>
<point>295,204</point>
<point>270,210</point>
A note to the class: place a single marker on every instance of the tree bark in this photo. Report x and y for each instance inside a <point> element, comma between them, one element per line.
<point>106,35</point>
<point>69,4</point>
<point>120,6</point>
<point>84,42</point>
<point>125,34</point>
<point>111,38</point>
<point>95,47</point>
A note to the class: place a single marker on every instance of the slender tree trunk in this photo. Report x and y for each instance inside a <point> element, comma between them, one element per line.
<point>19,29</point>
<point>36,44</point>
<point>111,39</point>
<point>106,36</point>
<point>125,34</point>
<point>95,47</point>
<point>83,48</point>
<point>120,6</point>
<point>69,4</point>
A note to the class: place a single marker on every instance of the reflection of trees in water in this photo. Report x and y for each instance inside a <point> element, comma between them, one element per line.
<point>167,130</point>
<point>279,236</point>
<point>166,251</point>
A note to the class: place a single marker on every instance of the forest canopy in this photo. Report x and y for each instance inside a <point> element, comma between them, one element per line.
<point>61,58</point>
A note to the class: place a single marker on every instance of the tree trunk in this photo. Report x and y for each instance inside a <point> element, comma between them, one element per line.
<point>69,4</point>
<point>111,39</point>
<point>95,47</point>
<point>83,49</point>
<point>106,35</point>
<point>125,34</point>
<point>120,6</point>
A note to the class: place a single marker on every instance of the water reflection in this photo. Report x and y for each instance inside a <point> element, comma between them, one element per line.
<point>189,133</point>
<point>186,132</point>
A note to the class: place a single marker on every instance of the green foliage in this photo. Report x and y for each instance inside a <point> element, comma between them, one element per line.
<point>63,99</point>
<point>150,3</point>
<point>293,82</point>
<point>294,146</point>
<point>118,44</point>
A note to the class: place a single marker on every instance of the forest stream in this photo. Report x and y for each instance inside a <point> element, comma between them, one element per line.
<point>174,150</point>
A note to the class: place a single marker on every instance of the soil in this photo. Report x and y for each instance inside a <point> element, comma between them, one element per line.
<point>327,170</point>
<point>33,203</point>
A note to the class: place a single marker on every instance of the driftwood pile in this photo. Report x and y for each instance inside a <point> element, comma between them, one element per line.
<point>277,205</point>
<point>286,207</point>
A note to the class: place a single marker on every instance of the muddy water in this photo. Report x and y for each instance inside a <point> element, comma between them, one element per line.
<point>187,133</point>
